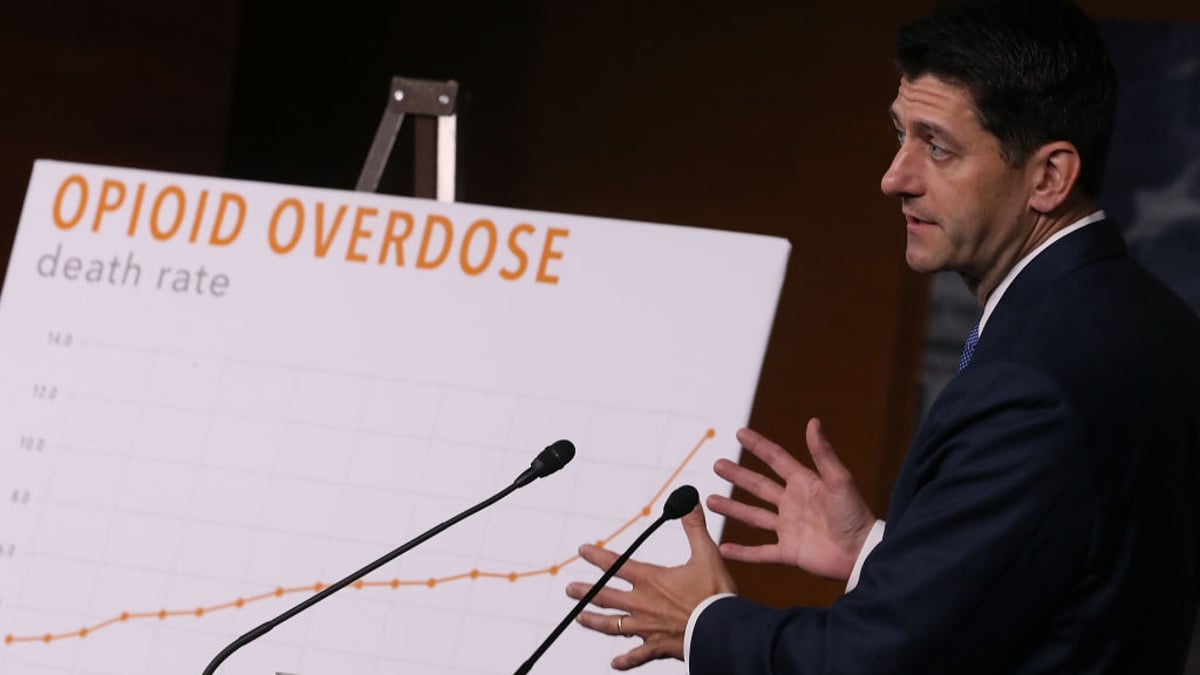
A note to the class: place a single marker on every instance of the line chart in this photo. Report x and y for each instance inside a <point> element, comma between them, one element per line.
<point>395,583</point>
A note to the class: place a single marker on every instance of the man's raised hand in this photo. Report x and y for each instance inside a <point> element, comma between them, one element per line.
<point>819,518</point>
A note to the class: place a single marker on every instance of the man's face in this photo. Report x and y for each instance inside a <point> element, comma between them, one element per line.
<point>966,210</point>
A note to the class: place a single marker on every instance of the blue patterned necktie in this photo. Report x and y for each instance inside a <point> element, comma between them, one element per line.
<point>969,348</point>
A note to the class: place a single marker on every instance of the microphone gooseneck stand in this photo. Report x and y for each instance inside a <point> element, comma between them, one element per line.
<point>681,502</point>
<point>547,462</point>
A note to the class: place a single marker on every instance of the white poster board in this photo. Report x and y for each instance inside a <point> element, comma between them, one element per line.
<point>218,395</point>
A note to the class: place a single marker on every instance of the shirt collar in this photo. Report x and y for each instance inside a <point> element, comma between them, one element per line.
<point>994,298</point>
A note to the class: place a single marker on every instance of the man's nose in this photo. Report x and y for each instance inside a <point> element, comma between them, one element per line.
<point>901,179</point>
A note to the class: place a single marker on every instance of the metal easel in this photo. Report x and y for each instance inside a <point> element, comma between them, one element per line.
<point>434,106</point>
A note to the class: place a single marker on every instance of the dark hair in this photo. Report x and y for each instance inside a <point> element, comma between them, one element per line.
<point>1037,71</point>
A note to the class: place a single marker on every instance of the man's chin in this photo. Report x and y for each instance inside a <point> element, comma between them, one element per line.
<point>921,261</point>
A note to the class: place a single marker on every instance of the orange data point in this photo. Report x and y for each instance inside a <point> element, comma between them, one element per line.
<point>83,632</point>
<point>318,586</point>
<point>162,614</point>
<point>599,543</point>
<point>124,616</point>
<point>240,603</point>
<point>358,585</point>
<point>199,612</point>
<point>646,511</point>
<point>474,574</point>
<point>710,433</point>
<point>8,639</point>
<point>279,592</point>
<point>431,583</point>
<point>512,576</point>
<point>395,583</point>
<point>47,638</point>
<point>553,570</point>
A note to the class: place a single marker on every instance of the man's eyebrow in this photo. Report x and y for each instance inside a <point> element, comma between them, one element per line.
<point>926,128</point>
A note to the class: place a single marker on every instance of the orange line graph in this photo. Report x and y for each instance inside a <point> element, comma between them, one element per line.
<point>281,591</point>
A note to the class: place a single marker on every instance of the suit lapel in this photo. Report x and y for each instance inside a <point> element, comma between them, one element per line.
<point>1094,242</point>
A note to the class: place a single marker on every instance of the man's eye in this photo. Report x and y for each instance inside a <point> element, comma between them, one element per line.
<point>938,152</point>
<point>900,137</point>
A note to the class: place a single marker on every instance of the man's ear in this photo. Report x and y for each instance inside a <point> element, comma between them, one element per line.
<point>1055,171</point>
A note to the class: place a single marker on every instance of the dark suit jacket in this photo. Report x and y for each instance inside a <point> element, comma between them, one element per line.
<point>1045,519</point>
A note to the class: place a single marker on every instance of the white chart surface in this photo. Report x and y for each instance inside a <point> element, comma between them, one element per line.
<point>219,394</point>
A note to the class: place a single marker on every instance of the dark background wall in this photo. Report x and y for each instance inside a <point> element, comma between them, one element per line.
<point>759,116</point>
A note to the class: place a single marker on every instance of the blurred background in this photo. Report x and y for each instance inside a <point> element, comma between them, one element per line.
<point>766,117</point>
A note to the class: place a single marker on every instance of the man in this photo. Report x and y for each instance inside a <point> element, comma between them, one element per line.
<point>1045,519</point>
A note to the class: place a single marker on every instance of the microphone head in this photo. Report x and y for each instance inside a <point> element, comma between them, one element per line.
<point>681,502</point>
<point>554,457</point>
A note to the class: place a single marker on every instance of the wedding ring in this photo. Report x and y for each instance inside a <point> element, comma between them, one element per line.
<point>620,631</point>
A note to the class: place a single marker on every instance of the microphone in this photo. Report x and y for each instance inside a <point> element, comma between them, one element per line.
<point>553,458</point>
<point>680,503</point>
